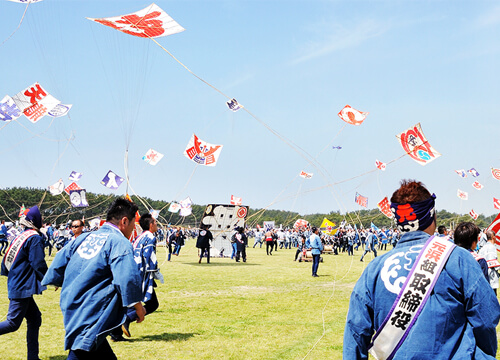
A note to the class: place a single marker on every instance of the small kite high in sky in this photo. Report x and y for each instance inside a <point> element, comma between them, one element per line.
<point>473,214</point>
<point>150,22</point>
<point>461,173</point>
<point>473,172</point>
<point>306,175</point>
<point>8,109</point>
<point>361,200</point>
<point>462,194</point>
<point>496,203</point>
<point>477,185</point>
<point>352,116</point>
<point>202,152</point>
<point>337,147</point>
<point>75,176</point>
<point>495,173</point>
<point>416,145</point>
<point>112,181</point>
<point>236,200</point>
<point>57,188</point>
<point>385,207</point>
<point>380,165</point>
<point>174,207</point>
<point>152,157</point>
<point>72,186</point>
<point>233,105</point>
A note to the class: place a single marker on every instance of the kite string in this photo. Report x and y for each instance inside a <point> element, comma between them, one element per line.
<point>18,26</point>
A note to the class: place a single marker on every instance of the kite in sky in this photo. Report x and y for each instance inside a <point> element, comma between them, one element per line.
<point>416,145</point>
<point>461,173</point>
<point>233,105</point>
<point>380,165</point>
<point>477,185</point>
<point>473,214</point>
<point>495,173</point>
<point>72,186</point>
<point>352,116</point>
<point>174,207</point>
<point>473,172</point>
<point>337,147</point>
<point>462,194</point>
<point>78,198</point>
<point>57,188</point>
<point>60,110</point>
<point>35,102</point>
<point>385,207</point>
<point>496,203</point>
<point>75,176</point>
<point>202,152</point>
<point>305,175</point>
<point>236,200</point>
<point>150,22</point>
<point>361,200</point>
<point>152,157</point>
<point>112,181</point>
<point>8,109</point>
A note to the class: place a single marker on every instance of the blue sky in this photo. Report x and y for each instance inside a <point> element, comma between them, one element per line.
<point>294,64</point>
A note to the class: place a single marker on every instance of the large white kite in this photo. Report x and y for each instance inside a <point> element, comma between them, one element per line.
<point>35,102</point>
<point>150,22</point>
<point>202,152</point>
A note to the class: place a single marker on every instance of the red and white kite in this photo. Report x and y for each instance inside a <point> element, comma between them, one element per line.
<point>72,186</point>
<point>34,102</point>
<point>477,185</point>
<point>380,165</point>
<point>385,207</point>
<point>352,116</point>
<point>306,175</point>
<point>202,152</point>
<point>473,214</point>
<point>462,194</point>
<point>150,22</point>
<point>416,145</point>
<point>361,200</point>
<point>235,200</point>
<point>495,173</point>
<point>496,203</point>
<point>300,224</point>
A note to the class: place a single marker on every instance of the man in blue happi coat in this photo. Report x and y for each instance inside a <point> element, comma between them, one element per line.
<point>24,265</point>
<point>147,264</point>
<point>99,278</point>
<point>459,314</point>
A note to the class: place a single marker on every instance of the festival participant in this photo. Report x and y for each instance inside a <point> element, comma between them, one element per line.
<point>425,299</point>
<point>3,238</point>
<point>179,241</point>
<point>24,265</point>
<point>370,244</point>
<point>442,231</point>
<point>241,241</point>
<point>269,242</point>
<point>99,278</point>
<point>300,248</point>
<point>316,249</point>
<point>203,242</point>
<point>258,238</point>
<point>172,241</point>
<point>76,228</point>
<point>466,235</point>
<point>489,252</point>
<point>147,264</point>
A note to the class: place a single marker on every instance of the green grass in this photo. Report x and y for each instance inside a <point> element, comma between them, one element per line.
<point>267,308</point>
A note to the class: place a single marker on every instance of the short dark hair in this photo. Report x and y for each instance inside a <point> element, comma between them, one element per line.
<point>145,221</point>
<point>441,229</point>
<point>490,234</point>
<point>410,191</point>
<point>465,234</point>
<point>119,208</point>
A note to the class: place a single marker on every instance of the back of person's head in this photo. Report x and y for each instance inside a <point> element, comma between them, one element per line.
<point>490,235</point>
<point>410,191</point>
<point>314,229</point>
<point>466,234</point>
<point>121,208</point>
<point>145,221</point>
<point>441,229</point>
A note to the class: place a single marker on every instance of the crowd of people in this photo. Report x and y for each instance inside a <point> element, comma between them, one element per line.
<point>447,279</point>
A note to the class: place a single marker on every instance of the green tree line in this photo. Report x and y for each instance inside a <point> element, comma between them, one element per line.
<point>58,209</point>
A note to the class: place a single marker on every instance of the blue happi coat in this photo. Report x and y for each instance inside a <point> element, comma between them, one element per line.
<point>457,322</point>
<point>99,278</point>
<point>28,269</point>
<point>147,263</point>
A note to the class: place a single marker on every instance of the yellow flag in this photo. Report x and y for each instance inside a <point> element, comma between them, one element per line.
<point>327,227</point>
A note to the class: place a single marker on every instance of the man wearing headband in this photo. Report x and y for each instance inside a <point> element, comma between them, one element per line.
<point>24,264</point>
<point>457,310</point>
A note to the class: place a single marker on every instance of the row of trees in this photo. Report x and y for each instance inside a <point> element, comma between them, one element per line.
<point>58,209</point>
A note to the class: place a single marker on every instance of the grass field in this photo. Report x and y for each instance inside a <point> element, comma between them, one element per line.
<point>267,308</point>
